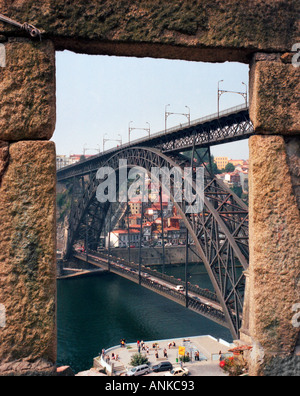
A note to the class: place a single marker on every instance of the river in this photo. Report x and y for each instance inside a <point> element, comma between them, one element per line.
<point>96,312</point>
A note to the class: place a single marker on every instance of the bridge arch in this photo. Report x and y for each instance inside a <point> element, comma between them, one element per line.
<point>220,232</point>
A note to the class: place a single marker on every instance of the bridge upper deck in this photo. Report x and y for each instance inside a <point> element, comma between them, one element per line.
<point>230,125</point>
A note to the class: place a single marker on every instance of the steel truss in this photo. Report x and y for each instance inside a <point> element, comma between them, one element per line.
<point>227,129</point>
<point>219,232</point>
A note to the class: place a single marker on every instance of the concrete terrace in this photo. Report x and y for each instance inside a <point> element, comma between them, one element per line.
<point>207,346</point>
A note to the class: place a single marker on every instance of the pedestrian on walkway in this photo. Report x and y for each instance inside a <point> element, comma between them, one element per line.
<point>221,356</point>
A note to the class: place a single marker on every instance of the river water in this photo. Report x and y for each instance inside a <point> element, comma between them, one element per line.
<point>97,312</point>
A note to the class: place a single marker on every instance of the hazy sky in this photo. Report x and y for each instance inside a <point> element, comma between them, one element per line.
<point>98,95</point>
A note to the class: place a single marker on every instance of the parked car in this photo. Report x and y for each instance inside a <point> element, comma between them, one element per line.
<point>163,366</point>
<point>137,371</point>
<point>178,372</point>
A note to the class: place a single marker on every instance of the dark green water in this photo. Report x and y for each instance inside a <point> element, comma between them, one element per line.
<point>197,275</point>
<point>95,313</point>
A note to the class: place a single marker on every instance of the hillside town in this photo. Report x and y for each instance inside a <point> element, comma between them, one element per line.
<point>234,173</point>
<point>170,231</point>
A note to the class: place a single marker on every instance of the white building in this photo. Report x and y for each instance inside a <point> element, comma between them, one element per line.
<point>120,238</point>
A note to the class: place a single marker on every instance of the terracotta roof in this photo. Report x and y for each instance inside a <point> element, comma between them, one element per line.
<point>125,232</point>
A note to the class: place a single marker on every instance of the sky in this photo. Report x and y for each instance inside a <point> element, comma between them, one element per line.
<point>98,96</point>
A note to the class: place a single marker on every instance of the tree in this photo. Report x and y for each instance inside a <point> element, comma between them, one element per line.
<point>215,169</point>
<point>138,360</point>
<point>229,168</point>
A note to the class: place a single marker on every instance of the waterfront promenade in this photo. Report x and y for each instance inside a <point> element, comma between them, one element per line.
<point>207,346</point>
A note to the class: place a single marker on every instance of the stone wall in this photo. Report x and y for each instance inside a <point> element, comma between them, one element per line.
<point>273,278</point>
<point>261,33</point>
<point>205,30</point>
<point>27,209</point>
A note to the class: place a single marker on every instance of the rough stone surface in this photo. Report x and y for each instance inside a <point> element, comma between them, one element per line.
<point>293,153</point>
<point>274,254</point>
<point>275,97</point>
<point>28,257</point>
<point>27,91</point>
<point>215,29</point>
<point>24,367</point>
<point>4,157</point>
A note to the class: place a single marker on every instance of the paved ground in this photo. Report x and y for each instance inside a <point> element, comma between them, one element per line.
<point>208,347</point>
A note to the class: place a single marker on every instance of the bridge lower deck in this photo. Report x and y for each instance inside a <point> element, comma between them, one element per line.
<point>200,301</point>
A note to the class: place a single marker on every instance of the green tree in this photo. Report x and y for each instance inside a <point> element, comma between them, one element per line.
<point>229,168</point>
<point>138,360</point>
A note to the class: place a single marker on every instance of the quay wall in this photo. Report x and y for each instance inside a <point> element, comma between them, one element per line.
<point>153,256</point>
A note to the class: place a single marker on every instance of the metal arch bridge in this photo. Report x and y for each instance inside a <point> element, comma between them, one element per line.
<point>219,233</point>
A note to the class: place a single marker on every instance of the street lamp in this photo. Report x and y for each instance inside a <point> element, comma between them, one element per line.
<point>168,114</point>
<point>111,140</point>
<point>219,95</point>
<point>85,149</point>
<point>221,92</point>
<point>130,129</point>
<point>246,86</point>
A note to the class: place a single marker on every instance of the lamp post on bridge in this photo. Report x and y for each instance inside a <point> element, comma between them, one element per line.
<point>221,92</point>
<point>105,140</point>
<point>130,129</point>
<point>85,149</point>
<point>168,114</point>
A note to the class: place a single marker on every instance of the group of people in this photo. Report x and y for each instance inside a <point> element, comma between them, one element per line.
<point>165,354</point>
<point>143,347</point>
<point>107,358</point>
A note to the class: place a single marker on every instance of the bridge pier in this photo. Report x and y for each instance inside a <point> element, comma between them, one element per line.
<point>273,278</point>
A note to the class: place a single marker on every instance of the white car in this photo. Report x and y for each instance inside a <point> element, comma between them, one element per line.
<point>137,371</point>
<point>178,372</point>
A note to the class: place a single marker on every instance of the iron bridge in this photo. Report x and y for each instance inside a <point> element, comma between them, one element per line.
<point>218,234</point>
